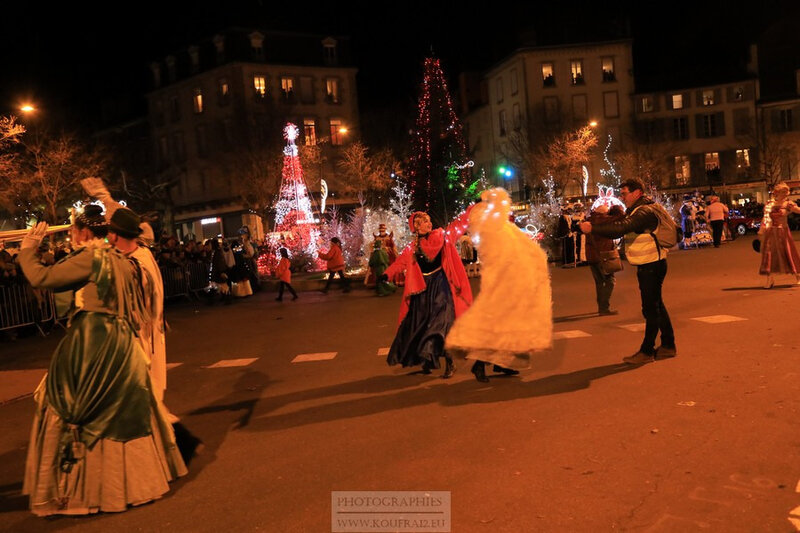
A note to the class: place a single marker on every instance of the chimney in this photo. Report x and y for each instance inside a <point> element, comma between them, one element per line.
<point>752,60</point>
<point>170,61</point>
<point>219,44</point>
<point>194,56</point>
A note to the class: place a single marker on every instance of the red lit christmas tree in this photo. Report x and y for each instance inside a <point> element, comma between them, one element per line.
<point>437,145</point>
<point>295,227</point>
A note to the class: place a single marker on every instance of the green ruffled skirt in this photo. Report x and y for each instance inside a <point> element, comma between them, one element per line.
<point>100,440</point>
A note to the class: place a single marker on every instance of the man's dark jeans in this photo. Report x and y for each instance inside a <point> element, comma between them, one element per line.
<point>716,231</point>
<point>345,282</point>
<point>651,278</point>
<point>604,286</point>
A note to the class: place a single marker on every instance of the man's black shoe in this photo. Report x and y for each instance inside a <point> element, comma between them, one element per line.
<point>504,370</point>
<point>608,312</point>
<point>639,358</point>
<point>664,352</point>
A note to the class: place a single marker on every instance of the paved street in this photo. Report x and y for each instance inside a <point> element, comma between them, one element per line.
<point>707,441</point>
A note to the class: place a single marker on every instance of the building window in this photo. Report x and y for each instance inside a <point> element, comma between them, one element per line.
<point>179,146</point>
<point>163,150</point>
<point>607,64</point>
<point>548,75</point>
<point>310,131</point>
<point>260,86</point>
<point>708,97</point>
<point>336,132</point>
<point>551,113</point>
<point>738,94</point>
<point>680,128</point>
<point>287,88</point>
<point>514,82</point>
<point>576,71</point>
<point>332,90</point>
<point>647,104</point>
<point>579,108</point>
<point>683,170</point>
<point>677,101</point>
<point>709,125</point>
<point>307,90</point>
<point>224,91</point>
<point>499,86</point>
<point>202,142</point>
<point>785,120</point>
<point>611,104</point>
<point>159,112</point>
<point>516,116</point>
<point>197,101</point>
<point>743,162</point>
<point>329,52</point>
<point>502,122</point>
<point>174,109</point>
<point>712,164</point>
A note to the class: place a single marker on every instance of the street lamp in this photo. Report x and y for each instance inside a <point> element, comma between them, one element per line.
<point>593,124</point>
<point>27,109</point>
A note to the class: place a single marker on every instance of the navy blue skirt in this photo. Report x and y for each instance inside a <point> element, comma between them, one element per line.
<point>420,337</point>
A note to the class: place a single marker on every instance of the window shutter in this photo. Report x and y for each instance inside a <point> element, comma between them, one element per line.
<point>720,119</point>
<point>717,96</point>
<point>698,126</point>
<point>749,92</point>
<point>796,118</point>
<point>729,94</point>
<point>776,120</point>
<point>699,96</point>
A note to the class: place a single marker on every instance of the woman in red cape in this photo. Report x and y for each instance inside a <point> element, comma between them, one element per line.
<point>437,291</point>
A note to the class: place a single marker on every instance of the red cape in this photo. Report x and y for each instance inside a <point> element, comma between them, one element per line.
<point>443,240</point>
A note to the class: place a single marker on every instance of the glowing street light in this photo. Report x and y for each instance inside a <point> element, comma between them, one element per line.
<point>593,124</point>
<point>27,108</point>
<point>343,130</point>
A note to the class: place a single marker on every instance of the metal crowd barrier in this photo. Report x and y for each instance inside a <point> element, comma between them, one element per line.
<point>22,305</point>
<point>184,280</point>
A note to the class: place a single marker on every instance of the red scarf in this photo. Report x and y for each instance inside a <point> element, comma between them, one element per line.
<point>431,244</point>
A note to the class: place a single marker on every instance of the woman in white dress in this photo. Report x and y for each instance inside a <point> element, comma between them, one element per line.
<point>512,317</point>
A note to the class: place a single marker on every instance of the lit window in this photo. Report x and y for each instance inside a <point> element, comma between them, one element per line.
<point>607,64</point>
<point>336,132</point>
<point>197,101</point>
<point>548,75</point>
<point>260,85</point>
<point>683,170</point>
<point>576,71</point>
<point>287,88</point>
<point>708,97</point>
<point>647,104</point>
<point>677,101</point>
<point>712,161</point>
<point>332,90</point>
<point>743,159</point>
<point>310,131</point>
<point>224,91</point>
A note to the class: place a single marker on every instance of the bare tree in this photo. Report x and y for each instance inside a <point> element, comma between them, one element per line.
<point>256,175</point>
<point>647,161</point>
<point>10,134</point>
<point>50,167</point>
<point>365,175</point>
<point>777,159</point>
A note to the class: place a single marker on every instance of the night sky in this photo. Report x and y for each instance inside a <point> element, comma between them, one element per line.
<point>70,60</point>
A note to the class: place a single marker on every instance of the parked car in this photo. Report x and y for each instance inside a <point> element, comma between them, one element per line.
<point>741,221</point>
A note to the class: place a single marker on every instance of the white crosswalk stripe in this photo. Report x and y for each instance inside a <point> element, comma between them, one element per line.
<point>383,351</point>
<point>229,363</point>
<point>170,366</point>
<point>570,334</point>
<point>306,357</point>
<point>633,327</point>
<point>718,319</point>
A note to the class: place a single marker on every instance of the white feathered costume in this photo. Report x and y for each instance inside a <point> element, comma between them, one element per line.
<point>512,316</point>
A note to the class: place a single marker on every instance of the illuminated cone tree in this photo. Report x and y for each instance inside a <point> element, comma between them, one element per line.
<point>437,146</point>
<point>294,219</point>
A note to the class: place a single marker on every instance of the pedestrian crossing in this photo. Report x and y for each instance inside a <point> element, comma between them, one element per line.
<point>232,363</point>
<point>307,357</point>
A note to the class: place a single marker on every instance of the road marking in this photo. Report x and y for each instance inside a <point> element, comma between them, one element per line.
<point>797,488</point>
<point>718,319</point>
<point>306,357</point>
<point>383,351</point>
<point>633,327</point>
<point>228,363</point>
<point>795,522</point>
<point>795,511</point>
<point>170,366</point>
<point>570,334</point>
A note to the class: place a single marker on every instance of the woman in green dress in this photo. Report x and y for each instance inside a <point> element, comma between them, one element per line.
<point>100,439</point>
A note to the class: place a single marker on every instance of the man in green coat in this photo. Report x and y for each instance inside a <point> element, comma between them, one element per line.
<point>378,263</point>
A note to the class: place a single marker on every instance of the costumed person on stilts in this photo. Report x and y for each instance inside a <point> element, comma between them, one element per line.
<point>436,292</point>
<point>778,251</point>
<point>100,440</point>
<point>512,318</point>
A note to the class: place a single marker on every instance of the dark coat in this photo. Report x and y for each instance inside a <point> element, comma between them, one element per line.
<point>598,243</point>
